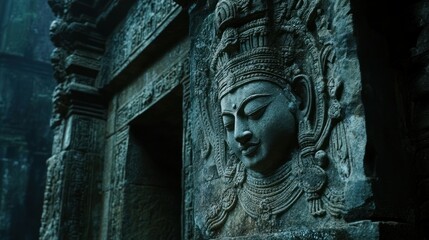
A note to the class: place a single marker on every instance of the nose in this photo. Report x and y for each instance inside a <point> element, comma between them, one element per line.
<point>243,136</point>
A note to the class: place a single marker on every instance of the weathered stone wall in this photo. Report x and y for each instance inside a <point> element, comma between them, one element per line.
<point>140,147</point>
<point>105,178</point>
<point>26,86</point>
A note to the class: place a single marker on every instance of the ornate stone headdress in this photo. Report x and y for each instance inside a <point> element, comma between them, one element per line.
<point>245,52</point>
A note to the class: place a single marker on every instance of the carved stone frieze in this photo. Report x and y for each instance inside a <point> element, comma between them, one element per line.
<point>60,105</point>
<point>153,92</point>
<point>145,20</point>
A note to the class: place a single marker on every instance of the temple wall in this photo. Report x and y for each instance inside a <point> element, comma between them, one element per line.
<point>164,110</point>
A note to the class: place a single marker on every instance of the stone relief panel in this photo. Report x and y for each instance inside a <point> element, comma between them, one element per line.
<point>146,19</point>
<point>280,135</point>
<point>153,91</point>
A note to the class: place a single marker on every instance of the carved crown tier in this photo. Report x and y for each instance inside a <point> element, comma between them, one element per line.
<point>245,52</point>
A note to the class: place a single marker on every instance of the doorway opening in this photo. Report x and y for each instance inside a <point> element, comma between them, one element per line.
<point>154,168</point>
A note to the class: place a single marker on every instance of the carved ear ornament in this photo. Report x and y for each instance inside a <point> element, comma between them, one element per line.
<point>317,122</point>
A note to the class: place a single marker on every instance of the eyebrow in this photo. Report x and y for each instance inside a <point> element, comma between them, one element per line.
<point>246,100</point>
<point>251,97</point>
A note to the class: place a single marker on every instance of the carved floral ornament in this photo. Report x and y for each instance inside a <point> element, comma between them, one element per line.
<point>271,69</point>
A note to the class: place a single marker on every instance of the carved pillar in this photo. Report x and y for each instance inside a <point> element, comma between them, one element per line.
<point>72,206</point>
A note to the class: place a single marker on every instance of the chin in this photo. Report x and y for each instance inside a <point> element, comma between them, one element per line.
<point>250,164</point>
<point>258,166</point>
<point>261,167</point>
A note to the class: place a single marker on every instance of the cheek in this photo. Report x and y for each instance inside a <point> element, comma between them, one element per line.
<point>287,132</point>
<point>278,128</point>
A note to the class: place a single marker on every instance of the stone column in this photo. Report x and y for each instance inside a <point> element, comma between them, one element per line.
<point>72,207</point>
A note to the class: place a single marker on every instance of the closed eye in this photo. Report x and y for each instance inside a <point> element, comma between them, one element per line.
<point>255,107</point>
<point>257,113</point>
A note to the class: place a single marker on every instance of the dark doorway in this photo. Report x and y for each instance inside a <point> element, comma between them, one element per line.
<point>155,168</point>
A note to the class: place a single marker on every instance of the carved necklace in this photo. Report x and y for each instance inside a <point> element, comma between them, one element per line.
<point>265,197</point>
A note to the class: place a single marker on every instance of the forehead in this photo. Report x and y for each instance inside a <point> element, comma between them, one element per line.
<point>241,93</point>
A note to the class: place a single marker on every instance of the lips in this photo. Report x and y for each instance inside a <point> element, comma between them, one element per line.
<point>249,149</point>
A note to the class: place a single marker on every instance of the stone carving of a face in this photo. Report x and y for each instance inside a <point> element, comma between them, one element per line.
<point>283,150</point>
<point>260,127</point>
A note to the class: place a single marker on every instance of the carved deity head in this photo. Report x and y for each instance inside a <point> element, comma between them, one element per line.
<point>256,103</point>
<point>279,105</point>
<point>260,128</point>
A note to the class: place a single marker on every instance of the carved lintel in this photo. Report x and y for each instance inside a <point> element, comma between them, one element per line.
<point>153,92</point>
